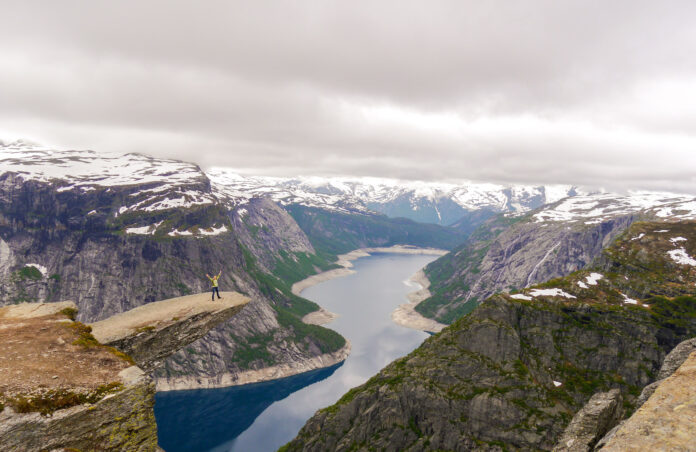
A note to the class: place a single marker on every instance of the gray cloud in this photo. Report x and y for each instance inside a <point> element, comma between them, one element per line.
<point>591,93</point>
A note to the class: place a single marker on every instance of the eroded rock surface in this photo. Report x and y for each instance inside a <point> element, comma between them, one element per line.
<point>666,420</point>
<point>60,388</point>
<point>672,362</point>
<point>152,332</point>
<point>601,413</point>
<point>121,421</point>
<point>513,373</point>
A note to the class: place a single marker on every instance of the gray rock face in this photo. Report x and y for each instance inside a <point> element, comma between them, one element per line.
<point>672,362</point>
<point>512,374</point>
<point>79,238</point>
<point>603,411</point>
<point>488,380</point>
<point>151,333</point>
<point>676,358</point>
<point>120,422</point>
<point>665,422</point>
<point>508,256</point>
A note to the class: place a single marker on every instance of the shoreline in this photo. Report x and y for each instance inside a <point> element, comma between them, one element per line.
<point>323,316</point>
<point>254,376</point>
<point>319,317</point>
<point>406,314</point>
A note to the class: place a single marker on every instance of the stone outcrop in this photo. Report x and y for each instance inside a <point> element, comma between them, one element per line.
<point>672,362</point>
<point>122,421</point>
<point>666,420</point>
<point>80,241</point>
<point>152,332</point>
<point>603,411</point>
<point>61,388</point>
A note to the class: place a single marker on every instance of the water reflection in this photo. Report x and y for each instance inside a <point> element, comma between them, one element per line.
<point>240,419</point>
<point>199,419</point>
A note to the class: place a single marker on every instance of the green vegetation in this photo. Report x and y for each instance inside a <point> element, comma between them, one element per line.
<point>334,233</point>
<point>145,329</point>
<point>30,272</point>
<point>252,349</point>
<point>70,313</point>
<point>450,275</point>
<point>291,268</point>
<point>289,308</point>
<point>85,339</point>
<point>182,288</point>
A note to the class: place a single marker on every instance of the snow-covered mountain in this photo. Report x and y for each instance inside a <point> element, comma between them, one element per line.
<point>156,184</point>
<point>428,202</point>
<point>599,207</point>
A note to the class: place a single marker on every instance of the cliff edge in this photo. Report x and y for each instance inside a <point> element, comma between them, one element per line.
<point>152,332</point>
<point>61,388</point>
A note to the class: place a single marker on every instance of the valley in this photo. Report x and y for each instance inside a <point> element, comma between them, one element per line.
<point>118,233</point>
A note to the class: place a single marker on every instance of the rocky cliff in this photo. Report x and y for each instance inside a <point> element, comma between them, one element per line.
<point>512,252</point>
<point>511,375</point>
<point>61,388</point>
<point>665,421</point>
<point>119,232</point>
<point>152,332</point>
<point>598,422</point>
<point>114,232</point>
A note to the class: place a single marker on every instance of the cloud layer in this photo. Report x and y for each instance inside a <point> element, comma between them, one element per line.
<point>593,93</point>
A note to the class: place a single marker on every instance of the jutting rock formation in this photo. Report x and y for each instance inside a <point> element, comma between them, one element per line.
<point>60,387</point>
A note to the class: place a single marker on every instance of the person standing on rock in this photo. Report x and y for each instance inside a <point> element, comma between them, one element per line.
<point>214,281</point>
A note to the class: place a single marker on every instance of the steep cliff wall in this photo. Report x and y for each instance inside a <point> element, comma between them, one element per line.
<point>512,253</point>
<point>61,388</point>
<point>113,248</point>
<point>512,373</point>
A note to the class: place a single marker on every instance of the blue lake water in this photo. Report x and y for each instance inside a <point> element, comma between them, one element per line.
<point>264,416</point>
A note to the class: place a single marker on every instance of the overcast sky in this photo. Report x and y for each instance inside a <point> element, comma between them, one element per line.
<point>595,93</point>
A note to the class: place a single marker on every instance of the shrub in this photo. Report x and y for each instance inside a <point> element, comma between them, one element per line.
<point>70,313</point>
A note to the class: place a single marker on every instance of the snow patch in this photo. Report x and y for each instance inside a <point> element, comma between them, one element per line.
<point>629,300</point>
<point>598,207</point>
<point>593,278</point>
<point>213,231</point>
<point>638,237</point>
<point>519,296</point>
<point>92,212</point>
<point>583,285</point>
<point>680,256</point>
<point>677,239</point>
<point>176,233</point>
<point>550,293</point>
<point>144,230</point>
<point>663,230</point>
<point>557,383</point>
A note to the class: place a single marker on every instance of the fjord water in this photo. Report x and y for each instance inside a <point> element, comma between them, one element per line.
<point>264,416</point>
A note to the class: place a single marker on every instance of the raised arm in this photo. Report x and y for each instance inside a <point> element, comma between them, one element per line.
<point>219,273</point>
